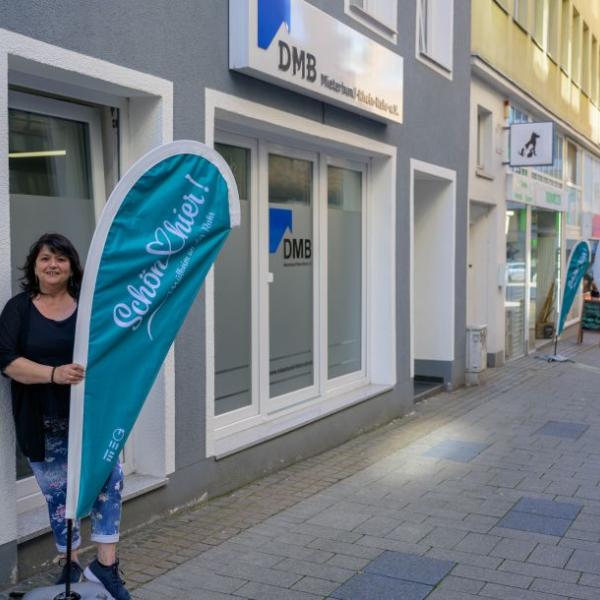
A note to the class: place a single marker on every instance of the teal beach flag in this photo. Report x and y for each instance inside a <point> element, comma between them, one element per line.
<point>579,261</point>
<point>158,236</point>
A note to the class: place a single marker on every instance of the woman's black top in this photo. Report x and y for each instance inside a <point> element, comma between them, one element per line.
<point>25,332</point>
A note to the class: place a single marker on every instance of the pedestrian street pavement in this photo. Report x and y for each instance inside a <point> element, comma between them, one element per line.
<point>490,491</point>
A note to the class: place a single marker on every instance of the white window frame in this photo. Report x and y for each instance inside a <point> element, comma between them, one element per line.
<point>253,409</point>
<point>361,13</point>
<point>262,402</point>
<point>146,104</point>
<point>426,57</point>
<point>359,377</point>
<point>280,403</point>
<point>28,492</point>
<point>223,111</point>
<point>72,112</point>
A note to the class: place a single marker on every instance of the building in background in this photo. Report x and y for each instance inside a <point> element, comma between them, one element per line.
<point>344,122</point>
<point>530,62</point>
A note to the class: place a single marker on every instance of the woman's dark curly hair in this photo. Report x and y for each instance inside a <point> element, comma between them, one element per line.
<point>57,244</point>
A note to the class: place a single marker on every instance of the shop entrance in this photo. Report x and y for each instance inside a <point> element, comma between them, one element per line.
<point>545,261</point>
<point>433,267</point>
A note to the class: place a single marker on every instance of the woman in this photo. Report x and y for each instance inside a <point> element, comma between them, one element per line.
<point>37,331</point>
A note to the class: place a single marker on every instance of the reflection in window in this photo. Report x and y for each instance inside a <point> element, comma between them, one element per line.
<point>291,264</point>
<point>233,314</point>
<point>48,156</point>
<point>50,190</point>
<point>344,271</point>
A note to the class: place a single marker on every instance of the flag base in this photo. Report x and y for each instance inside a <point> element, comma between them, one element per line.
<point>79,591</point>
<point>555,358</point>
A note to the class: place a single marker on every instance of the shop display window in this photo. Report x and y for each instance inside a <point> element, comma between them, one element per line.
<point>289,331</point>
<point>516,278</point>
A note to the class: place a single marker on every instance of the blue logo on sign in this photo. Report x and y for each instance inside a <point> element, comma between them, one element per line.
<point>280,220</point>
<point>271,14</point>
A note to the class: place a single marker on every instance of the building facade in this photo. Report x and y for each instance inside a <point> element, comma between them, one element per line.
<point>532,62</point>
<point>346,280</point>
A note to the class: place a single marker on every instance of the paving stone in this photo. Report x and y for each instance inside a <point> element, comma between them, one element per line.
<point>477,543</point>
<point>279,549</point>
<point>410,567</point>
<point>514,549</point>
<point>262,591</point>
<point>590,580</point>
<point>395,545</point>
<point>378,526</point>
<point>460,584</point>
<point>550,556</point>
<point>259,574</point>
<point>551,573</point>
<point>504,592</point>
<point>458,450</point>
<point>348,562</point>
<point>491,576</point>
<point>563,429</point>
<point>441,537</point>
<point>535,523</point>
<point>192,578</point>
<point>359,551</point>
<point>339,519</point>
<point>409,532</point>
<point>465,558</point>
<point>566,589</point>
<point>313,585</point>
<point>445,594</point>
<point>369,586</point>
<point>329,572</point>
<point>588,562</point>
<point>517,534</point>
<point>548,508</point>
<point>328,533</point>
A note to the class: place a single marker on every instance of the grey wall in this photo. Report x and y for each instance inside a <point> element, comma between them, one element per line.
<point>187,42</point>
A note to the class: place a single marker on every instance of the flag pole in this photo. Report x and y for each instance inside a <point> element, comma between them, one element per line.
<point>68,593</point>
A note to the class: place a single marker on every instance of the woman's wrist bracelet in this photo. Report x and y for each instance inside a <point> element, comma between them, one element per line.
<point>52,375</point>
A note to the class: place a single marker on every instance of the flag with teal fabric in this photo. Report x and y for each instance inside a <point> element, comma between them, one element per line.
<point>156,240</point>
<point>579,261</point>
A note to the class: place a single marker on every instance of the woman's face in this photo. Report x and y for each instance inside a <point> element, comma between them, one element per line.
<point>52,270</point>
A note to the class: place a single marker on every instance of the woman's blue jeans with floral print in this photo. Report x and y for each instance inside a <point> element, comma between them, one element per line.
<point>51,476</point>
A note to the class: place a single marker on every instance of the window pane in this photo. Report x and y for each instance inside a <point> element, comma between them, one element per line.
<point>516,275</point>
<point>48,156</point>
<point>50,190</point>
<point>291,265</point>
<point>50,183</point>
<point>344,273</point>
<point>233,314</point>
<point>238,160</point>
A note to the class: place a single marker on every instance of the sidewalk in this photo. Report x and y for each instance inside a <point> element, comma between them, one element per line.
<point>485,492</point>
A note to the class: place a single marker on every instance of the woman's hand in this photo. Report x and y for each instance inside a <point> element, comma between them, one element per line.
<point>69,374</point>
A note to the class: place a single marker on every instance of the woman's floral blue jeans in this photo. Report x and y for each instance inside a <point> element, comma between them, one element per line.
<point>51,476</point>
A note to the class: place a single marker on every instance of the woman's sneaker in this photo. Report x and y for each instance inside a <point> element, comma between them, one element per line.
<point>109,577</point>
<point>76,573</point>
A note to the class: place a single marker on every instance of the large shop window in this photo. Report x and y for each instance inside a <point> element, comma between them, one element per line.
<point>51,189</point>
<point>290,296</point>
<point>56,183</point>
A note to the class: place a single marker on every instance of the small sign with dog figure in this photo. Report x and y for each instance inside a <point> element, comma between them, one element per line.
<point>531,144</point>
